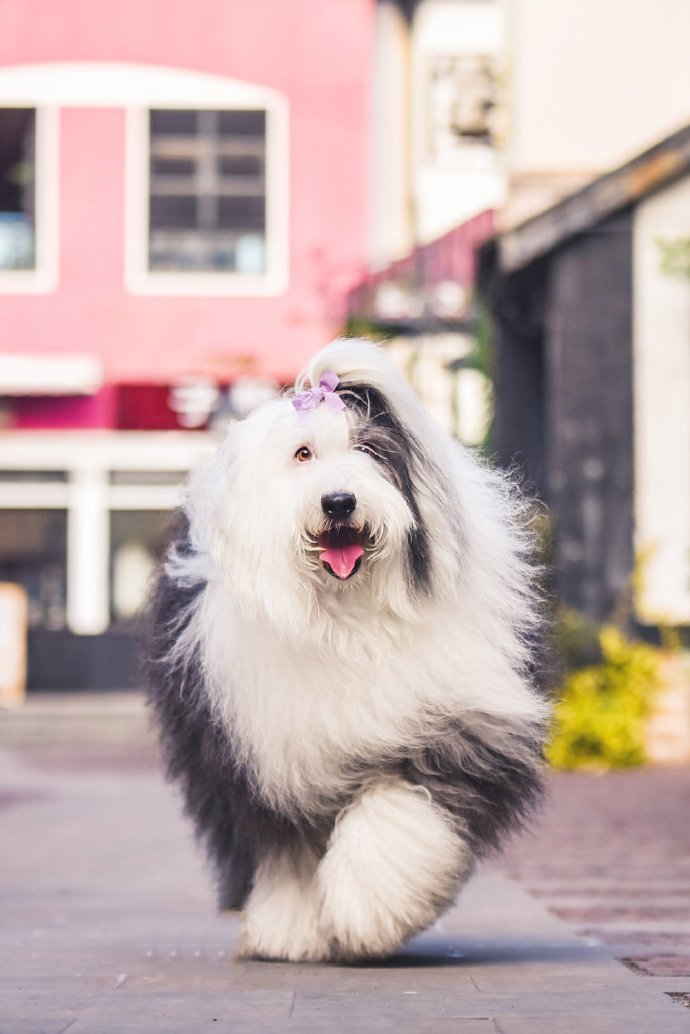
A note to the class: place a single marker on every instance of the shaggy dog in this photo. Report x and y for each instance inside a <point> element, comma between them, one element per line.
<point>340,664</point>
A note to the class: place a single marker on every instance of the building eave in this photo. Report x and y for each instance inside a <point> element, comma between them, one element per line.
<point>637,179</point>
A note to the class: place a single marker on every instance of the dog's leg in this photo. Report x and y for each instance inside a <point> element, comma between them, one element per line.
<point>393,864</point>
<point>281,916</point>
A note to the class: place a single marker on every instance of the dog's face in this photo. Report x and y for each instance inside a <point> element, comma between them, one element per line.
<point>322,502</point>
<point>354,491</point>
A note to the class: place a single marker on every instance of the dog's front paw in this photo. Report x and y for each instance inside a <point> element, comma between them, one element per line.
<point>393,864</point>
<point>281,919</point>
<point>262,938</point>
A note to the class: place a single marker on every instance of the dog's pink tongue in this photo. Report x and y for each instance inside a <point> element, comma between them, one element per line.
<point>342,558</point>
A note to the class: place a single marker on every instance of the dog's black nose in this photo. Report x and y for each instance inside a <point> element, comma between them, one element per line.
<point>338,505</point>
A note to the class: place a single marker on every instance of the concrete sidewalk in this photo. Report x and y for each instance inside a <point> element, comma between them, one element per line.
<point>108,926</point>
<point>106,719</point>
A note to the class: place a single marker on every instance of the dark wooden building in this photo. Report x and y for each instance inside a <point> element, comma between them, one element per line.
<point>592,378</point>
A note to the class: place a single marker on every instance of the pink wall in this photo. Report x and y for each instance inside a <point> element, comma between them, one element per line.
<point>318,52</point>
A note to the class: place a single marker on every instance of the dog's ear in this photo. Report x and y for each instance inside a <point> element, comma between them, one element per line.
<point>415,451</point>
<point>381,434</point>
<point>249,546</point>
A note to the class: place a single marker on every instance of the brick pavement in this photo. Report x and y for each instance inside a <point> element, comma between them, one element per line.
<point>108,923</point>
<point>611,856</point>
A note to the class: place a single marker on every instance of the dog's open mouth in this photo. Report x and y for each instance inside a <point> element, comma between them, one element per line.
<point>341,550</point>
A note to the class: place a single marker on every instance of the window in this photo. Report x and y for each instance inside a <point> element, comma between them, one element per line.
<point>33,553</point>
<point>463,111</point>
<point>28,194</point>
<point>207,191</point>
<point>207,187</point>
<point>137,540</point>
<point>17,188</point>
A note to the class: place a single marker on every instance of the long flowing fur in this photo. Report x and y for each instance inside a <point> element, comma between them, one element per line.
<point>305,715</point>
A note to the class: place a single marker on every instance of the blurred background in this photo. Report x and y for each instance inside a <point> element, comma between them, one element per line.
<point>194,197</point>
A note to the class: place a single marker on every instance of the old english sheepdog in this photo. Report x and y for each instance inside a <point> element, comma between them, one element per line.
<point>340,664</point>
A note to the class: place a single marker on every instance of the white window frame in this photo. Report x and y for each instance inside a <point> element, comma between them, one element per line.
<point>43,278</point>
<point>211,92</point>
<point>139,278</point>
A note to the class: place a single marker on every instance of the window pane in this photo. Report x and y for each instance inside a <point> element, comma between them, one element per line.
<point>137,540</point>
<point>242,165</point>
<point>173,122</point>
<point>207,205</point>
<point>245,212</point>
<point>33,553</point>
<point>173,212</point>
<point>17,189</point>
<point>172,166</point>
<point>238,123</point>
<point>32,476</point>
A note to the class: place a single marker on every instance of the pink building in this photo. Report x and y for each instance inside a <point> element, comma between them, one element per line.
<point>183,207</point>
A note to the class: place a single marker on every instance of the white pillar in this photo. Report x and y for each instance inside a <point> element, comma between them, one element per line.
<point>392,214</point>
<point>88,544</point>
<point>661,381</point>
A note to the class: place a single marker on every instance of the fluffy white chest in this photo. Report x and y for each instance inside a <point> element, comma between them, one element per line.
<point>303,714</point>
<point>303,717</point>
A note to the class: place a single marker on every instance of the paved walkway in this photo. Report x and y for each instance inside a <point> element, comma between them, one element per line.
<point>107,921</point>
<point>611,856</point>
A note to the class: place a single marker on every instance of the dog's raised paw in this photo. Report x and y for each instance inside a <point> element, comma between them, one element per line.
<point>393,864</point>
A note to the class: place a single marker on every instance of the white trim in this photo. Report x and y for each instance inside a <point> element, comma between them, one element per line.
<point>30,495</point>
<point>43,279</point>
<point>145,497</point>
<point>111,450</point>
<point>123,84</point>
<point>42,373</point>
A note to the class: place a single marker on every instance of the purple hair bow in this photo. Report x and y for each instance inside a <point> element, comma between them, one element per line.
<point>306,401</point>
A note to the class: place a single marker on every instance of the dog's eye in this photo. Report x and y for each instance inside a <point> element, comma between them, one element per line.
<point>303,455</point>
<point>366,450</point>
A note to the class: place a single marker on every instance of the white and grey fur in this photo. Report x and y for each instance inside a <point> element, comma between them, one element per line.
<point>347,748</point>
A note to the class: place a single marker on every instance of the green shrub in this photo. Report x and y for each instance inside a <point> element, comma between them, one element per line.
<point>575,641</point>
<point>600,716</point>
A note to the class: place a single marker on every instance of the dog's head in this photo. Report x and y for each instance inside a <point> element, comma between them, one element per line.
<point>334,488</point>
